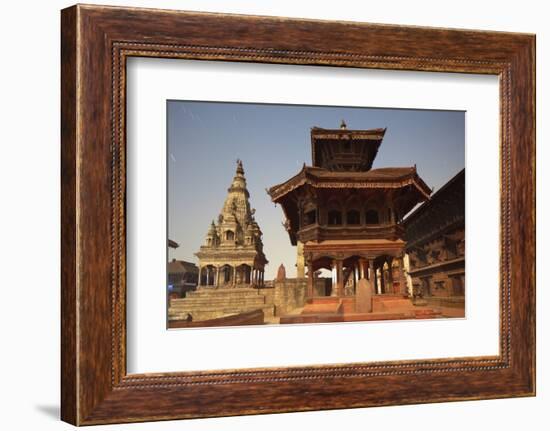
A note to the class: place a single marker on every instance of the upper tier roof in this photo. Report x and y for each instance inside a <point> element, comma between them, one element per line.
<point>345,150</point>
<point>374,178</point>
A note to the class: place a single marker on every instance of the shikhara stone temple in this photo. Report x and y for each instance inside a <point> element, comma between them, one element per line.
<point>232,254</point>
<point>346,219</point>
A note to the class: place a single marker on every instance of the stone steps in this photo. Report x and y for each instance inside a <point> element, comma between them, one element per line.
<point>206,314</point>
<point>217,303</point>
<point>212,303</point>
<point>224,292</point>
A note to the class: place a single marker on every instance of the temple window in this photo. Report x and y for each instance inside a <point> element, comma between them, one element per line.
<point>310,217</point>
<point>229,235</point>
<point>334,217</point>
<point>371,217</point>
<point>353,217</point>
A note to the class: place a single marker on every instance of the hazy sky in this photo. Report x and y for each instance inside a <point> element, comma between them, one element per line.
<point>206,138</point>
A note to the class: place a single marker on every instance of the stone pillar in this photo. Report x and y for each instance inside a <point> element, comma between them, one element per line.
<point>402,279</point>
<point>362,268</point>
<point>382,279</point>
<point>340,277</point>
<point>234,275</point>
<point>372,275</point>
<point>334,276</point>
<point>309,293</point>
<point>300,260</point>
<point>207,275</point>
<point>377,280</point>
<point>390,276</point>
<point>217,276</point>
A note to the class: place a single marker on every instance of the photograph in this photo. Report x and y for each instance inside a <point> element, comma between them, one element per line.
<point>285,214</point>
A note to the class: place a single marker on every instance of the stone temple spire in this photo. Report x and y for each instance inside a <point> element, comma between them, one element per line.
<point>236,208</point>
<point>235,241</point>
<point>240,170</point>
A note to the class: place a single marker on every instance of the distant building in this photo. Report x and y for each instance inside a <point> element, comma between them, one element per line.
<point>232,254</point>
<point>182,277</point>
<point>435,243</point>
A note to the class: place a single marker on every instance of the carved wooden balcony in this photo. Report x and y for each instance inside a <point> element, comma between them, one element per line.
<point>316,232</point>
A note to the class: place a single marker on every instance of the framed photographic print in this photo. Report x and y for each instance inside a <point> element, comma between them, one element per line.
<point>326,214</point>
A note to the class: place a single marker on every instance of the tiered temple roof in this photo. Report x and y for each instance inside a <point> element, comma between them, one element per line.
<point>345,150</point>
<point>342,170</point>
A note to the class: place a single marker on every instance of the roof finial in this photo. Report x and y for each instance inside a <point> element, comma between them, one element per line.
<point>240,169</point>
<point>343,125</point>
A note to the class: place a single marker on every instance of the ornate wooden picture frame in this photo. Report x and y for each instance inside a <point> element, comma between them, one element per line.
<point>96,42</point>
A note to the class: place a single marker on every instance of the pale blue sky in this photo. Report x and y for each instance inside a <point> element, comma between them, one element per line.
<point>206,138</point>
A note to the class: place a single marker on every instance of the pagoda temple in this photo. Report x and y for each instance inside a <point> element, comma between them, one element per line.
<point>347,215</point>
<point>232,253</point>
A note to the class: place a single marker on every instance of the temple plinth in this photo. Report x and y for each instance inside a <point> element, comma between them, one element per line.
<point>347,215</point>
